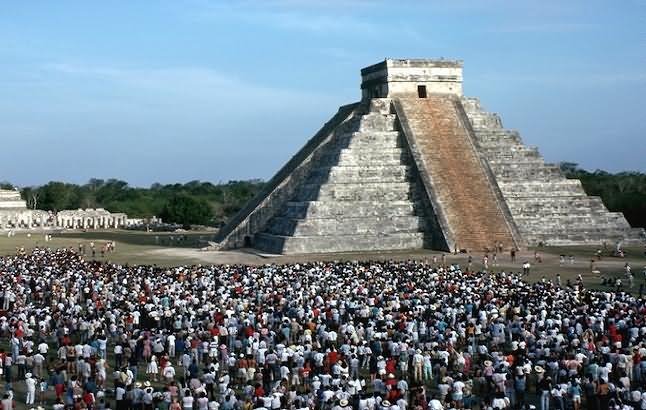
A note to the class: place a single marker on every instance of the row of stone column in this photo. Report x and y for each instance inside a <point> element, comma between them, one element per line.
<point>24,220</point>
<point>30,220</point>
<point>90,222</point>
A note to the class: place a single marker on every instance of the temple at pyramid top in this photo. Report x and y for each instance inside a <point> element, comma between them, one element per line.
<point>411,78</point>
<point>416,164</point>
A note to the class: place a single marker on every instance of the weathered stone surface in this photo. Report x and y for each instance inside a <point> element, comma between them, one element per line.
<point>466,204</point>
<point>546,207</point>
<point>361,196</point>
<point>407,172</point>
<point>337,243</point>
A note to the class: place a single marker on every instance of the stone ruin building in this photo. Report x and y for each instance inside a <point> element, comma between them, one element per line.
<point>416,164</point>
<point>14,215</point>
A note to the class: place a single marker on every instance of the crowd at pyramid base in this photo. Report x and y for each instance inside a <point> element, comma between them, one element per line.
<point>415,165</point>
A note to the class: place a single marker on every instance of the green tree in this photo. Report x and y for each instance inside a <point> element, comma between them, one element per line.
<point>187,210</point>
<point>56,196</point>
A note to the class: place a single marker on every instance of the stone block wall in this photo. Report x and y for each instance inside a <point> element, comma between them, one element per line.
<point>362,195</point>
<point>546,207</point>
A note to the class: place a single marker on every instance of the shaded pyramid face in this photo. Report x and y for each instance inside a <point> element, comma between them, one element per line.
<point>360,195</point>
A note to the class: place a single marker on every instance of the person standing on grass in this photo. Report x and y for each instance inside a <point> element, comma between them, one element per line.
<point>30,387</point>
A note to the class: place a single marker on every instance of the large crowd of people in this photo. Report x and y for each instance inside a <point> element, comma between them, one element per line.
<point>79,334</point>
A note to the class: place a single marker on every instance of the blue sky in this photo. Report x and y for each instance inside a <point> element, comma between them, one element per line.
<point>171,91</point>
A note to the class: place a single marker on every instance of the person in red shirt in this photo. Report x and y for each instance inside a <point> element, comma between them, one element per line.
<point>332,357</point>
<point>391,365</point>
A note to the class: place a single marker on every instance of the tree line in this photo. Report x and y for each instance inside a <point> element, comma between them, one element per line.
<point>192,203</point>
<point>205,203</point>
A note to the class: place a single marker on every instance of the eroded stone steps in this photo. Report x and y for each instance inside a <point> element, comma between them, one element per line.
<point>377,122</point>
<point>361,196</point>
<point>513,156</point>
<point>343,225</point>
<point>351,209</point>
<point>360,174</point>
<point>389,191</point>
<point>557,204</point>
<point>370,141</point>
<point>337,243</point>
<point>539,174</point>
<point>572,222</point>
<point>459,182</point>
<point>546,206</point>
<point>507,138</point>
<point>564,187</point>
<point>346,157</point>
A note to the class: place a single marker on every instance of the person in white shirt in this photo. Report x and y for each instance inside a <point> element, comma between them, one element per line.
<point>43,348</point>
<point>435,404</point>
<point>458,392</point>
<point>30,384</point>
<point>187,400</point>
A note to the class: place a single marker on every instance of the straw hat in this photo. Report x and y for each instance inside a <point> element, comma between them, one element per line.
<point>343,402</point>
<point>488,363</point>
<point>539,369</point>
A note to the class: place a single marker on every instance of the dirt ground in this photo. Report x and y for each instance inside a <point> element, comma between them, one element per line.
<point>140,248</point>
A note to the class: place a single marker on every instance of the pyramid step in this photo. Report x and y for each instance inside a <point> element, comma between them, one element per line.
<point>338,243</point>
<point>543,173</point>
<point>352,157</point>
<point>389,191</point>
<point>345,226</point>
<point>570,219</point>
<point>350,209</point>
<point>466,199</point>
<point>568,238</point>
<point>564,187</point>
<point>515,163</point>
<point>357,174</point>
<point>369,140</point>
<point>557,203</point>
<point>505,137</point>
<point>377,122</point>
<point>381,106</point>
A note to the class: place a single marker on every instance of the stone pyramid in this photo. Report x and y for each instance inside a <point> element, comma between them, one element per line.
<point>415,165</point>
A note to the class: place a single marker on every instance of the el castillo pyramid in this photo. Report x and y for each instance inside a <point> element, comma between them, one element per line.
<point>415,164</point>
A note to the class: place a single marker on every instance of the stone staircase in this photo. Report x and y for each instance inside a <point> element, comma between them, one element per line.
<point>465,198</point>
<point>546,207</point>
<point>360,196</point>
